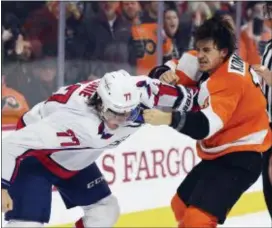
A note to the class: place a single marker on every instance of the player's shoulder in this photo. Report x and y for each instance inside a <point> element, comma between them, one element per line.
<point>189,61</point>
<point>236,67</point>
<point>83,123</point>
<point>189,54</point>
<point>82,84</point>
<point>80,92</point>
<point>231,75</point>
<point>234,72</point>
<point>89,82</point>
<point>192,52</point>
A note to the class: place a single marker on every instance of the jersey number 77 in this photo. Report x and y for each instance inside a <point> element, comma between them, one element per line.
<point>63,98</point>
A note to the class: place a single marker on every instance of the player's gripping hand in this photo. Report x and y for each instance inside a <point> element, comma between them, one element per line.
<point>149,89</point>
<point>156,117</point>
<point>169,77</point>
<point>264,72</point>
<point>7,203</point>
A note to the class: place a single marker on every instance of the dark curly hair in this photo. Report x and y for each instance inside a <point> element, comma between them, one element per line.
<point>218,30</point>
<point>94,101</point>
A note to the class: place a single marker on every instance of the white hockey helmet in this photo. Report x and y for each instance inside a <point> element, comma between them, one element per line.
<point>118,93</point>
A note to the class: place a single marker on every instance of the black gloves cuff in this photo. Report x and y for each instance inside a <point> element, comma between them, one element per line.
<point>178,120</point>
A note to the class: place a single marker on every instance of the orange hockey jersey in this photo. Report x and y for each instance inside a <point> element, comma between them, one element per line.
<point>145,38</point>
<point>14,105</point>
<point>232,101</point>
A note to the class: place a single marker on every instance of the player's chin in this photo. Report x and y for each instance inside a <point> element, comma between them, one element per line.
<point>112,126</point>
<point>204,67</point>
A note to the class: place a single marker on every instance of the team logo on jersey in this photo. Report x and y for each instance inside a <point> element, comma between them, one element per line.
<point>150,46</point>
<point>101,131</point>
<point>11,102</point>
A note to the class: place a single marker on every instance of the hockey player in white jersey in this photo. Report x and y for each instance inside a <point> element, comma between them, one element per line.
<point>60,139</point>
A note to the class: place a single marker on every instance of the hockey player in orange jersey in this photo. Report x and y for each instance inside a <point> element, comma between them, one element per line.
<point>231,126</point>
<point>14,104</point>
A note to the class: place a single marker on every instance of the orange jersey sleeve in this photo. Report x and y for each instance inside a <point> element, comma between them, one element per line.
<point>186,68</point>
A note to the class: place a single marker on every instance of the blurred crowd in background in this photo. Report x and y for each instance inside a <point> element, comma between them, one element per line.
<point>105,36</point>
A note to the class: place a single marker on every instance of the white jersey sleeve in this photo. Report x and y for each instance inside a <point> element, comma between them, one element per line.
<point>71,98</point>
<point>65,133</point>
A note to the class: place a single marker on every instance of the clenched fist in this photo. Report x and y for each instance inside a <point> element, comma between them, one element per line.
<point>157,117</point>
<point>169,77</point>
<point>7,203</point>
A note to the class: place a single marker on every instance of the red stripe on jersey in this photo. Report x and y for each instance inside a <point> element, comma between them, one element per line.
<point>50,164</point>
<point>165,90</point>
<point>168,90</point>
<point>43,157</point>
<point>79,223</point>
<point>20,123</point>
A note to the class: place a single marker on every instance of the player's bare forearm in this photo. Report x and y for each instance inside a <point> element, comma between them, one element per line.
<point>193,124</point>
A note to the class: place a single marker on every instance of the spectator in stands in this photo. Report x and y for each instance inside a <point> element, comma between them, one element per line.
<point>41,27</point>
<point>255,33</point>
<point>41,79</point>
<point>174,32</point>
<point>215,5</point>
<point>21,9</point>
<point>150,14</point>
<point>144,34</point>
<point>200,11</point>
<point>131,11</point>
<point>228,16</point>
<point>72,24</point>
<point>12,38</point>
<point>105,41</point>
<point>193,16</point>
<point>13,104</point>
<point>73,65</point>
<point>241,44</point>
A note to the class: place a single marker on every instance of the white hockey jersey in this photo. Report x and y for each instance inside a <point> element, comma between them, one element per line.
<point>66,135</point>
